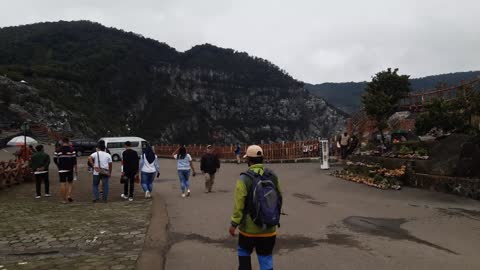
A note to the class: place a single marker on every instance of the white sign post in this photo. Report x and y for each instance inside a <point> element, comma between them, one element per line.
<point>324,155</point>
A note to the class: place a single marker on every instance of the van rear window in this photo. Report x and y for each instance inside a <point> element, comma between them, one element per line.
<point>115,145</point>
<point>121,144</point>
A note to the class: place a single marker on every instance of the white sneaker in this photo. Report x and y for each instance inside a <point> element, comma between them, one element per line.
<point>130,199</point>
<point>47,195</point>
<point>123,196</point>
<point>183,195</point>
<point>147,194</point>
<point>188,193</point>
<point>37,197</point>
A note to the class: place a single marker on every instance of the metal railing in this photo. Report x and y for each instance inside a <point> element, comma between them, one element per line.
<point>273,151</point>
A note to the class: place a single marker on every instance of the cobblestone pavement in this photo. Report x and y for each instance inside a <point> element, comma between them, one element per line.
<point>45,234</point>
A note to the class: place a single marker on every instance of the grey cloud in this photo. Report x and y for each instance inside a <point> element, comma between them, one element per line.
<point>315,41</point>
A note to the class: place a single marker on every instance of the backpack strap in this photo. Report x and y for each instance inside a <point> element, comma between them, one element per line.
<point>247,177</point>
<point>270,174</point>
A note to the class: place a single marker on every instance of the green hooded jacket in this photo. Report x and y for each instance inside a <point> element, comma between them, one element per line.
<point>248,227</point>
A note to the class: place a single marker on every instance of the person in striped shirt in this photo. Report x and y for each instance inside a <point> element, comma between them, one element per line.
<point>66,160</point>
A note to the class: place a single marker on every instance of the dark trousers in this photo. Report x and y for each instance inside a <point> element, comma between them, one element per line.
<point>344,151</point>
<point>129,183</point>
<point>39,178</point>
<point>262,245</point>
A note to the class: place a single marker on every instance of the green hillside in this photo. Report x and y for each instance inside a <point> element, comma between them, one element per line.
<point>347,96</point>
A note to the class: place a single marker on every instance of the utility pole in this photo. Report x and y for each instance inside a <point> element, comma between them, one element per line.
<point>25,127</point>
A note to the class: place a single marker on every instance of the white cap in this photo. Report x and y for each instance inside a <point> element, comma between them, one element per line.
<point>254,151</point>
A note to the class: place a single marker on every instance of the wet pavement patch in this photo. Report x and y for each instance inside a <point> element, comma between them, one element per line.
<point>285,243</point>
<point>317,203</point>
<point>224,242</point>
<point>309,199</point>
<point>473,213</point>
<point>293,242</point>
<point>303,196</point>
<point>460,212</point>
<point>344,240</point>
<point>389,228</point>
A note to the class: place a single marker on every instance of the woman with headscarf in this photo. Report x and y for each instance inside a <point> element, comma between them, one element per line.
<point>148,167</point>
<point>184,164</point>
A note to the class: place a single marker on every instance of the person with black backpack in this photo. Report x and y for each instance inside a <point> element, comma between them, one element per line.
<point>209,164</point>
<point>257,210</point>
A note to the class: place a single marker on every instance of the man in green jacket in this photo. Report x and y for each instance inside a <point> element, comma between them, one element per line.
<point>251,235</point>
<point>39,164</point>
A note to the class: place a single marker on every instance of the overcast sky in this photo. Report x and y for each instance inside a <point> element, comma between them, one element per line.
<point>313,40</point>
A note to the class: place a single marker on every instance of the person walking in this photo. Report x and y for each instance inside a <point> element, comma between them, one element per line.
<point>344,141</point>
<point>148,166</point>
<point>209,164</point>
<point>23,154</point>
<point>184,164</point>
<point>102,171</point>
<point>258,188</point>
<point>237,153</point>
<point>129,171</point>
<point>66,160</point>
<point>39,164</point>
<point>100,185</point>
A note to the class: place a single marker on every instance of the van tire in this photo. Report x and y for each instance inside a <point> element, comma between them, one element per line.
<point>116,158</point>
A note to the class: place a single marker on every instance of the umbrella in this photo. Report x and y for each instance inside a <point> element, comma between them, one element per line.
<point>20,140</point>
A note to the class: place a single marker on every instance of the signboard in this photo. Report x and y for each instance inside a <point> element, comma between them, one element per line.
<point>324,155</point>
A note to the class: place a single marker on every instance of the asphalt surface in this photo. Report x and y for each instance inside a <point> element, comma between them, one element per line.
<point>330,224</point>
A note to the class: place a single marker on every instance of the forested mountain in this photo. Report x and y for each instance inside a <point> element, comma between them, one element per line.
<point>90,80</point>
<point>347,96</point>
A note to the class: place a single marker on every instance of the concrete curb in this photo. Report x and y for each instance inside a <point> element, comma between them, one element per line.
<point>153,256</point>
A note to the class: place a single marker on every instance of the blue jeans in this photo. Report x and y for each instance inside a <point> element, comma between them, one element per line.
<point>262,245</point>
<point>96,181</point>
<point>147,181</point>
<point>184,181</point>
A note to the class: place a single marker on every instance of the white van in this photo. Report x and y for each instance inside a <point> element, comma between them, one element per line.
<point>116,145</point>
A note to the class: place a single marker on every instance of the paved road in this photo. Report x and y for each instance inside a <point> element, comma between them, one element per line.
<point>331,224</point>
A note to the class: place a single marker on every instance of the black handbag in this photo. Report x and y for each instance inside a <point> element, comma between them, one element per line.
<point>123,179</point>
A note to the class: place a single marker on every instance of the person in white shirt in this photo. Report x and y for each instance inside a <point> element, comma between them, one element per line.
<point>102,170</point>
<point>184,164</point>
<point>148,167</point>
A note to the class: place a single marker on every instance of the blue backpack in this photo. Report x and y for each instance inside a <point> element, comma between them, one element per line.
<point>264,200</point>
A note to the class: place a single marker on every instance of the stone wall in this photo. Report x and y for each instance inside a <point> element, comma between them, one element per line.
<point>388,163</point>
<point>464,187</point>
<point>419,176</point>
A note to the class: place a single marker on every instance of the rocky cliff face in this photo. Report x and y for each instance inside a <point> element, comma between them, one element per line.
<point>92,81</point>
<point>243,114</point>
<point>26,103</point>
